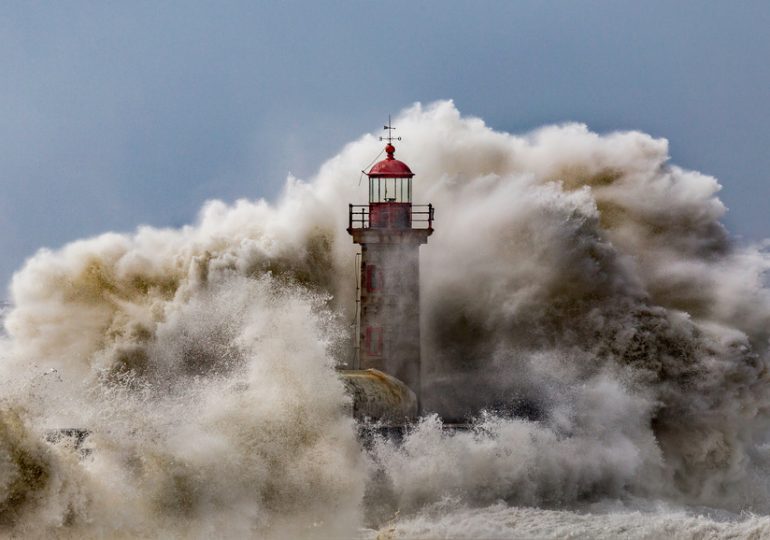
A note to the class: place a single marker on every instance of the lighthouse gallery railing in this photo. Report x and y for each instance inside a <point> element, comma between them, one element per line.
<point>421,216</point>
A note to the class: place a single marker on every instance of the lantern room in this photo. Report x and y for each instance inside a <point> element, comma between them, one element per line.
<point>390,180</point>
<point>390,192</point>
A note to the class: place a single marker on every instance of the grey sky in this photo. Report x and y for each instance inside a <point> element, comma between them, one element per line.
<point>136,112</point>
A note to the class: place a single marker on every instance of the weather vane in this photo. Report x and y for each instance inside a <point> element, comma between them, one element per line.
<point>390,138</point>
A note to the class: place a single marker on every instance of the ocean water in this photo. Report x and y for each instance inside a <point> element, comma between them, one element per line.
<point>581,302</point>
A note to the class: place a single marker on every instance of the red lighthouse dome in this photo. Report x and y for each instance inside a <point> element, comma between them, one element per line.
<point>390,167</point>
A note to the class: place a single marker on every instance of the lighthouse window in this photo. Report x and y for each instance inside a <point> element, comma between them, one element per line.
<point>390,189</point>
<point>391,193</point>
<point>373,278</point>
<point>373,340</point>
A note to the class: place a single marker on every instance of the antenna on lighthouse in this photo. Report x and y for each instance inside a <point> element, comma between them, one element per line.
<point>390,138</point>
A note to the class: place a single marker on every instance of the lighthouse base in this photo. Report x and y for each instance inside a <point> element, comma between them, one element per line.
<point>380,397</point>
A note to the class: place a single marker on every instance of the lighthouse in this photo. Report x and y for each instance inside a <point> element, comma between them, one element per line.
<point>390,230</point>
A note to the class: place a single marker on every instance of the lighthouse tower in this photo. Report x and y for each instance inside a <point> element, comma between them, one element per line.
<point>390,230</point>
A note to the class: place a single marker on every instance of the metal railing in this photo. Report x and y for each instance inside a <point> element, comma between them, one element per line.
<point>422,216</point>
